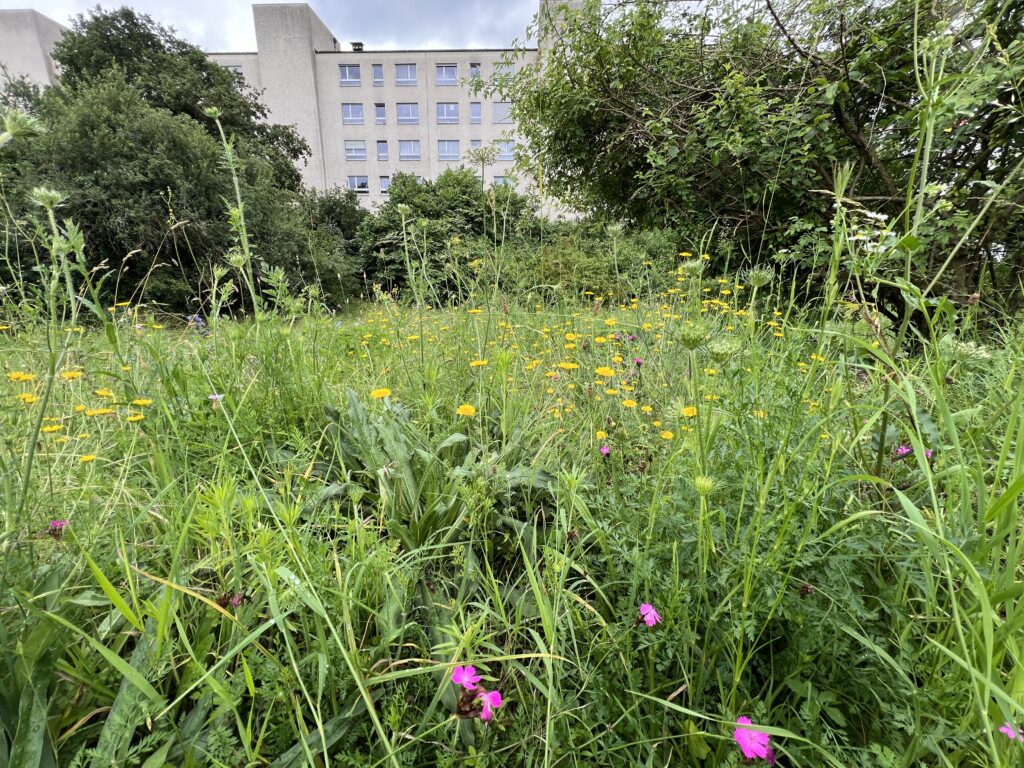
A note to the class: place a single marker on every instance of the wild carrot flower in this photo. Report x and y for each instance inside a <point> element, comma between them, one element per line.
<point>649,615</point>
<point>753,744</point>
<point>466,677</point>
<point>491,700</point>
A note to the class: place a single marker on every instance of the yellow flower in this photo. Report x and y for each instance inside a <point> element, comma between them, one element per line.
<point>605,371</point>
<point>28,398</point>
<point>20,376</point>
<point>380,394</point>
<point>136,417</point>
<point>610,321</point>
<point>70,375</point>
<point>601,434</point>
<point>466,410</point>
<point>142,402</point>
<point>759,414</point>
<point>478,363</point>
<point>667,435</point>
<point>475,311</point>
<point>629,403</point>
<point>711,371</point>
<point>87,458</point>
<point>53,428</point>
<point>689,412</point>
<point>104,393</point>
<point>79,408</point>
<point>646,408</point>
<point>611,392</point>
<point>99,411</point>
<point>568,366</point>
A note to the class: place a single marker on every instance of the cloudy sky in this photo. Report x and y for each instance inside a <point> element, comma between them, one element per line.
<point>226,25</point>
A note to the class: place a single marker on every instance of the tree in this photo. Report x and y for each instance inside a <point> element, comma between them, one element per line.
<point>175,75</point>
<point>738,115</point>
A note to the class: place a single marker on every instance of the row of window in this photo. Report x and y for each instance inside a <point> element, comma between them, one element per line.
<point>355,149</point>
<point>361,184</point>
<point>405,74</point>
<point>408,113</point>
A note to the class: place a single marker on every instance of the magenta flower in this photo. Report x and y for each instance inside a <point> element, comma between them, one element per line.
<point>649,615</point>
<point>928,453</point>
<point>215,398</point>
<point>466,677</point>
<point>1012,732</point>
<point>638,361</point>
<point>753,744</point>
<point>58,525</point>
<point>491,701</point>
<point>903,450</point>
<point>605,450</point>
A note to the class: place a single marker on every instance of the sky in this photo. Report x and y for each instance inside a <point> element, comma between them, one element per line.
<point>226,25</point>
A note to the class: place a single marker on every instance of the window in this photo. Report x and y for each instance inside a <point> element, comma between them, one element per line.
<point>378,74</point>
<point>352,114</point>
<point>355,150</point>
<point>408,114</point>
<point>382,150</point>
<point>382,115</point>
<point>500,181</point>
<point>447,74</point>
<point>409,150</point>
<point>349,74</point>
<point>385,184</point>
<point>405,74</point>
<point>360,184</point>
<point>475,143</point>
<point>447,112</point>
<point>474,69</point>
<point>506,150</point>
<point>502,112</point>
<point>503,68</point>
<point>448,150</point>
<point>474,111</point>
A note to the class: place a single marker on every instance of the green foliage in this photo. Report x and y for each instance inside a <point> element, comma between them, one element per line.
<point>739,116</point>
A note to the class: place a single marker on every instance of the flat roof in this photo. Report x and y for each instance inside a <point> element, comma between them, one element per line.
<point>388,50</point>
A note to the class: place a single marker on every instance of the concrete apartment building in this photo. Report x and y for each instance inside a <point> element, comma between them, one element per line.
<point>367,115</point>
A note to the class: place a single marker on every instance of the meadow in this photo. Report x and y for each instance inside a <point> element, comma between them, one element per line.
<point>594,533</point>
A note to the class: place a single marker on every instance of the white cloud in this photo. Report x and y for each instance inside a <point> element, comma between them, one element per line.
<point>226,25</point>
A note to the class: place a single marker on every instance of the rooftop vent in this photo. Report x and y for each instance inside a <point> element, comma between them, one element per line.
<point>358,47</point>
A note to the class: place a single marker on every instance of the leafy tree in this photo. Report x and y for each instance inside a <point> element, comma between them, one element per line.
<point>739,115</point>
<point>175,75</point>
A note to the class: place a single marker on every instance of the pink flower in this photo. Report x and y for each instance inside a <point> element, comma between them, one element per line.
<point>491,701</point>
<point>903,450</point>
<point>605,450</point>
<point>1012,732</point>
<point>753,744</point>
<point>58,525</point>
<point>649,615</point>
<point>466,677</point>
<point>928,453</point>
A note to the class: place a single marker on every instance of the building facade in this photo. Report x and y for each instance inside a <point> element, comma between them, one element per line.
<point>26,40</point>
<point>367,115</point>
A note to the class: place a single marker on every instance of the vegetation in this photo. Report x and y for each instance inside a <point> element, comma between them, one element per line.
<point>555,494</point>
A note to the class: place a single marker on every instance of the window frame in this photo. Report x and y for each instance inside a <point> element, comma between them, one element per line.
<point>506,156</point>
<point>448,157</point>
<point>385,184</point>
<point>380,113</point>
<point>352,150</point>
<point>352,120</point>
<point>375,68</point>
<point>414,120</point>
<point>387,151</point>
<point>494,112</point>
<point>419,150</point>
<point>405,82</point>
<point>348,82</point>
<point>446,82</point>
<point>364,190</point>
<point>476,119</point>
<point>447,119</point>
